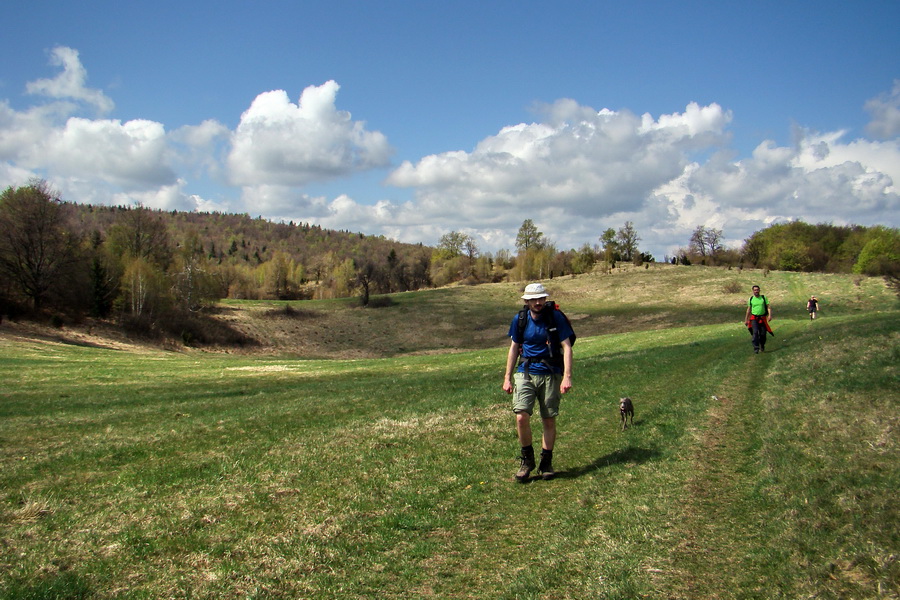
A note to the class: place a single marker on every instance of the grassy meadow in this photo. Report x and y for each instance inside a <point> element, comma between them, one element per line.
<point>369,453</point>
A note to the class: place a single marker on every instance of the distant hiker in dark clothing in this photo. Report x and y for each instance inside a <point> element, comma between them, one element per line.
<point>812,307</point>
<point>759,313</point>
<point>542,337</point>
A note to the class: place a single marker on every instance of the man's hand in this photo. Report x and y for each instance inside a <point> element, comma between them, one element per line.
<point>508,386</point>
<point>566,384</point>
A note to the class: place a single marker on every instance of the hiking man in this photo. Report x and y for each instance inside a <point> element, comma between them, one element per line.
<point>542,336</point>
<point>812,307</point>
<point>759,313</point>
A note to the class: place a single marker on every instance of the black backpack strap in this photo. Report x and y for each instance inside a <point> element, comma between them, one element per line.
<point>552,330</point>
<point>522,322</point>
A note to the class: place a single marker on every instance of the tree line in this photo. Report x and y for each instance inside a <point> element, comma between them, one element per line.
<point>457,257</point>
<point>144,266</point>
<point>799,246</point>
<point>151,268</point>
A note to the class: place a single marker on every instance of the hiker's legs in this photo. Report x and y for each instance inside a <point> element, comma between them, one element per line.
<point>549,404</point>
<point>523,428</point>
<point>524,399</point>
<point>544,391</point>
<point>549,437</point>
<point>758,331</point>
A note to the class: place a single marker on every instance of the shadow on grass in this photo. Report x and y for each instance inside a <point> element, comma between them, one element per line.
<point>629,455</point>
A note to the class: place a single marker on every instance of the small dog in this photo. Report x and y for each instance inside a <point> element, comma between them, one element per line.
<point>626,410</point>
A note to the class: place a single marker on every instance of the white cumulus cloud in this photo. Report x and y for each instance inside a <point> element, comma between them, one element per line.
<point>885,111</point>
<point>70,84</point>
<point>277,147</point>
<point>131,154</point>
<point>573,173</point>
<point>77,153</point>
<point>581,171</point>
<point>281,143</point>
<point>820,179</point>
<point>581,162</point>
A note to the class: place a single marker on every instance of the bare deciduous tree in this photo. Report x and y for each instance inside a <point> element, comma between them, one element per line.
<point>37,246</point>
<point>697,245</point>
<point>706,242</point>
<point>141,233</point>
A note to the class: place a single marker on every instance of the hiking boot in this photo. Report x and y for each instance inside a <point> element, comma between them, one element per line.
<point>546,468</point>
<point>524,472</point>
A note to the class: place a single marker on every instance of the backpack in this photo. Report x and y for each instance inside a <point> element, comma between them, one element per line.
<point>546,315</point>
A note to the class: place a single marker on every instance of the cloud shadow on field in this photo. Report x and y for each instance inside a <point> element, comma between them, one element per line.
<point>629,455</point>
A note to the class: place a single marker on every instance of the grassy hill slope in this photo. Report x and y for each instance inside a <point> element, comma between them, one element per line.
<point>141,473</point>
<point>464,318</point>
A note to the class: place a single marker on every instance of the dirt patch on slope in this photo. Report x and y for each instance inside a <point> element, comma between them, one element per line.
<point>92,335</point>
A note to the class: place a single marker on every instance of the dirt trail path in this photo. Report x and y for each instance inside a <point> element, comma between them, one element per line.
<point>715,525</point>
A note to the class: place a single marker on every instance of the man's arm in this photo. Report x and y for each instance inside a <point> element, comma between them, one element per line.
<point>511,359</point>
<point>568,362</point>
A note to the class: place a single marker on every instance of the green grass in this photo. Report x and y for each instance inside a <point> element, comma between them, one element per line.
<point>158,474</point>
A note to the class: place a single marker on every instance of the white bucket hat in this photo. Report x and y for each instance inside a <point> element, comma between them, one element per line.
<point>535,290</point>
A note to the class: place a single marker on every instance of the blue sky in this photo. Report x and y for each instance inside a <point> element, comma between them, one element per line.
<point>413,119</point>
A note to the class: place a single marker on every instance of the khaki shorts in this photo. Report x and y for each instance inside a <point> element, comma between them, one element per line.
<point>543,389</point>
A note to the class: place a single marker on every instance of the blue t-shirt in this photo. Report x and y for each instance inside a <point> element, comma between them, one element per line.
<point>535,344</point>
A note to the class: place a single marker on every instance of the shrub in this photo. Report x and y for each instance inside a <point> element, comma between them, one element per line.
<point>380,302</point>
<point>732,287</point>
<point>289,312</point>
<point>139,326</point>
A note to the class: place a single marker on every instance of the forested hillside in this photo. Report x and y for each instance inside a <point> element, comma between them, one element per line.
<point>274,260</point>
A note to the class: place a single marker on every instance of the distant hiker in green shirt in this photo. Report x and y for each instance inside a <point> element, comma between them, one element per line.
<point>759,313</point>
